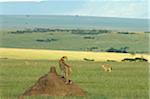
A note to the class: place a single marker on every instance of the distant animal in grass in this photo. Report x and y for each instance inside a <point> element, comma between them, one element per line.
<point>107,68</point>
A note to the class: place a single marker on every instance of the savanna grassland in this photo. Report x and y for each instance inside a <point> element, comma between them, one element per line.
<point>76,40</point>
<point>28,55</point>
<point>38,54</point>
<point>128,80</point>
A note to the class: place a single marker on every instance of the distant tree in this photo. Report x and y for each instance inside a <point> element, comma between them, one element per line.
<point>121,50</point>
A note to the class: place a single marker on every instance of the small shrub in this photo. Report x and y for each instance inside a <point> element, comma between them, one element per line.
<point>46,40</point>
<point>121,50</point>
<point>88,37</point>
<point>128,60</point>
<point>135,60</point>
<point>141,59</point>
<point>86,59</point>
<point>111,61</point>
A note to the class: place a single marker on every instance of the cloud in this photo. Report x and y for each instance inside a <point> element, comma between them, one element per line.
<point>21,0</point>
<point>114,8</point>
<point>103,8</point>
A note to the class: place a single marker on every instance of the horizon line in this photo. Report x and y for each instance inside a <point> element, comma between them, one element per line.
<point>78,16</point>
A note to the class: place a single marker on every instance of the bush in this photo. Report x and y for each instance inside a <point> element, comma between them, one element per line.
<point>89,37</point>
<point>92,49</point>
<point>89,32</point>
<point>135,60</point>
<point>126,33</point>
<point>141,59</point>
<point>111,61</point>
<point>43,30</point>
<point>46,40</point>
<point>121,50</point>
<point>147,32</point>
<point>86,59</point>
<point>128,60</point>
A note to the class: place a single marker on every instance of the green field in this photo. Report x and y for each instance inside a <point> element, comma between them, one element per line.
<point>128,80</point>
<point>66,40</point>
<point>25,57</point>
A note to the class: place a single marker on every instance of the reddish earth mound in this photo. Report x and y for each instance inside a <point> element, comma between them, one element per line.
<point>52,84</point>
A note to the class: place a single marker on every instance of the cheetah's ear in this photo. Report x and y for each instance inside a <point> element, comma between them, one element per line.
<point>65,57</point>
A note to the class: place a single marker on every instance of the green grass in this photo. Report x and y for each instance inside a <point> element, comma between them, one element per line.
<point>67,41</point>
<point>128,80</point>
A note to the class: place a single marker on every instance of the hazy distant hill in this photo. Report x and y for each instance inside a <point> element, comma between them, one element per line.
<point>48,21</point>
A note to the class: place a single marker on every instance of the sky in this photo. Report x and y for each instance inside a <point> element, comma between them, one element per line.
<point>101,8</point>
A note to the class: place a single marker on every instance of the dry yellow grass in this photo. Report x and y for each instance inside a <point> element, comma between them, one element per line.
<point>15,53</point>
